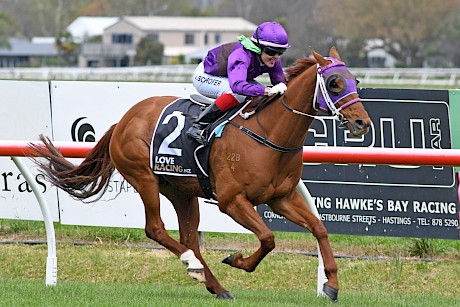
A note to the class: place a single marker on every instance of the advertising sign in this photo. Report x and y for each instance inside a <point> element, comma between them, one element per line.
<point>387,200</point>
<point>84,111</point>
<point>25,114</point>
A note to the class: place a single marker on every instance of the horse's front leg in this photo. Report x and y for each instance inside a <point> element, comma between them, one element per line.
<point>242,211</point>
<point>296,210</point>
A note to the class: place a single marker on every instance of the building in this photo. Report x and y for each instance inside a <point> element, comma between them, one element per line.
<point>377,56</point>
<point>86,27</point>
<point>180,36</point>
<point>29,53</point>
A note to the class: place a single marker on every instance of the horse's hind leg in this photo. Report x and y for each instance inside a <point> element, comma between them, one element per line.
<point>297,211</point>
<point>188,214</point>
<point>146,184</point>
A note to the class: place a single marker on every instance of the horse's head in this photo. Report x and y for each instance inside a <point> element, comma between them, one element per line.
<point>336,93</point>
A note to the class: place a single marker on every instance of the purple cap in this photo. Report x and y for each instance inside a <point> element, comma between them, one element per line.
<point>271,34</point>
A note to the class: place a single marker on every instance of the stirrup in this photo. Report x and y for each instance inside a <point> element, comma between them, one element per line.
<point>201,138</point>
<point>198,134</point>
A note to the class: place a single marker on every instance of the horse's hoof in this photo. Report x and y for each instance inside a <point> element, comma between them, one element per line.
<point>197,274</point>
<point>231,258</point>
<point>330,292</point>
<point>225,296</point>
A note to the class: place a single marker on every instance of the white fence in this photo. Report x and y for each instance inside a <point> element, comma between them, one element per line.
<point>162,73</point>
<point>183,73</point>
<point>430,77</point>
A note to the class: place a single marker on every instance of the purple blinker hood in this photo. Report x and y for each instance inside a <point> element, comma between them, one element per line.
<point>336,69</point>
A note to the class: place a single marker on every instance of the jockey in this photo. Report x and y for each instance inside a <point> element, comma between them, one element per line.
<point>228,71</point>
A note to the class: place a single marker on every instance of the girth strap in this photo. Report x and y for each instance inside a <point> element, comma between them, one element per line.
<point>264,141</point>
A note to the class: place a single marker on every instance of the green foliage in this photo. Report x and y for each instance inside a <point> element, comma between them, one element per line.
<point>423,248</point>
<point>5,21</point>
<point>67,47</point>
<point>148,52</point>
<point>405,28</point>
<point>397,269</point>
<point>17,226</point>
<point>443,51</point>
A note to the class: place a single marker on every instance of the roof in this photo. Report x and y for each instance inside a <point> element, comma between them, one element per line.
<point>20,47</point>
<point>87,26</point>
<point>171,23</point>
<point>171,51</point>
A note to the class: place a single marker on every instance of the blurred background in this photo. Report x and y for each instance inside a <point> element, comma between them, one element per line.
<point>392,34</point>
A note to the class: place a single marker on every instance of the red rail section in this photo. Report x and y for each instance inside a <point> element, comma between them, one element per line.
<point>68,149</point>
<point>368,155</point>
<point>338,155</point>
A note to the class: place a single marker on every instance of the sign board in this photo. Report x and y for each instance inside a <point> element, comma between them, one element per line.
<point>84,111</point>
<point>390,200</point>
<point>385,200</point>
<point>24,113</point>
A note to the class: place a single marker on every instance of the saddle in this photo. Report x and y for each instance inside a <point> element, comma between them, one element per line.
<point>176,154</point>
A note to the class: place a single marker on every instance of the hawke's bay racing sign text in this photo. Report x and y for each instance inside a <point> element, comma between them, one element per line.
<point>390,200</point>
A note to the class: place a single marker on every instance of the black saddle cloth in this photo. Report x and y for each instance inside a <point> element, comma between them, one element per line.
<point>174,153</point>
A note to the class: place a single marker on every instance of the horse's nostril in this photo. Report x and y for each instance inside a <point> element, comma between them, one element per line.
<point>361,124</point>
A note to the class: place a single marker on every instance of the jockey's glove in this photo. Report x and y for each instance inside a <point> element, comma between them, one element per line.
<point>280,88</point>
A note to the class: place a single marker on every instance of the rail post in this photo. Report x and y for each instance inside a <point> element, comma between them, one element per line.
<point>51,262</point>
<point>311,204</point>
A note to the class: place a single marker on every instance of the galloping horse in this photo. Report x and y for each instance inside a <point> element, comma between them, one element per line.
<point>260,175</point>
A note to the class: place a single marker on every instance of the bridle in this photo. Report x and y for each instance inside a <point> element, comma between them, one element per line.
<point>324,98</point>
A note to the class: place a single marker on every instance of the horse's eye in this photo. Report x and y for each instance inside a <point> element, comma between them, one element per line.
<point>335,84</point>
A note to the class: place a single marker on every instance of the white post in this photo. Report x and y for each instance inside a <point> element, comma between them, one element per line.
<point>51,262</point>
<point>309,200</point>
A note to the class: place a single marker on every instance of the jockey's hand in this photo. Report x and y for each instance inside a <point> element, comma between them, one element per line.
<point>280,88</point>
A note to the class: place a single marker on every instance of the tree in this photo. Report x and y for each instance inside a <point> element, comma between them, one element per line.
<point>4,22</point>
<point>67,47</point>
<point>40,17</point>
<point>149,51</point>
<point>443,52</point>
<point>294,15</point>
<point>404,26</point>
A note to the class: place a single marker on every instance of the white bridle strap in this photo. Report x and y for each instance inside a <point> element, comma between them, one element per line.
<point>330,105</point>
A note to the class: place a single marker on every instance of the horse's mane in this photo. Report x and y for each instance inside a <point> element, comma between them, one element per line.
<point>300,66</point>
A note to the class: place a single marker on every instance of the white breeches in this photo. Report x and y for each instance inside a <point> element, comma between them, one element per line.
<point>212,86</point>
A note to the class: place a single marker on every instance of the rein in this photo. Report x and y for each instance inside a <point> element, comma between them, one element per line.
<point>265,141</point>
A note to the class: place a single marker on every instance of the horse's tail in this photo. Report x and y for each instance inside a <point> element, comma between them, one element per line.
<point>89,178</point>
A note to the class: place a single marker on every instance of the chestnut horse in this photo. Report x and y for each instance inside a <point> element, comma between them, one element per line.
<point>261,175</point>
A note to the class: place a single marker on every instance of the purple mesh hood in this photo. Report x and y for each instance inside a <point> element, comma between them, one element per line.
<point>337,69</point>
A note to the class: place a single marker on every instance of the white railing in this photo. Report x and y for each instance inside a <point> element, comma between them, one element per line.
<point>449,77</point>
<point>160,73</point>
<point>441,77</point>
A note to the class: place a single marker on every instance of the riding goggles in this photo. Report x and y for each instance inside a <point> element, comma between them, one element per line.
<point>270,51</point>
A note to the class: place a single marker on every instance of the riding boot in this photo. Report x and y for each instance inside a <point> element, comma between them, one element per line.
<point>198,128</point>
